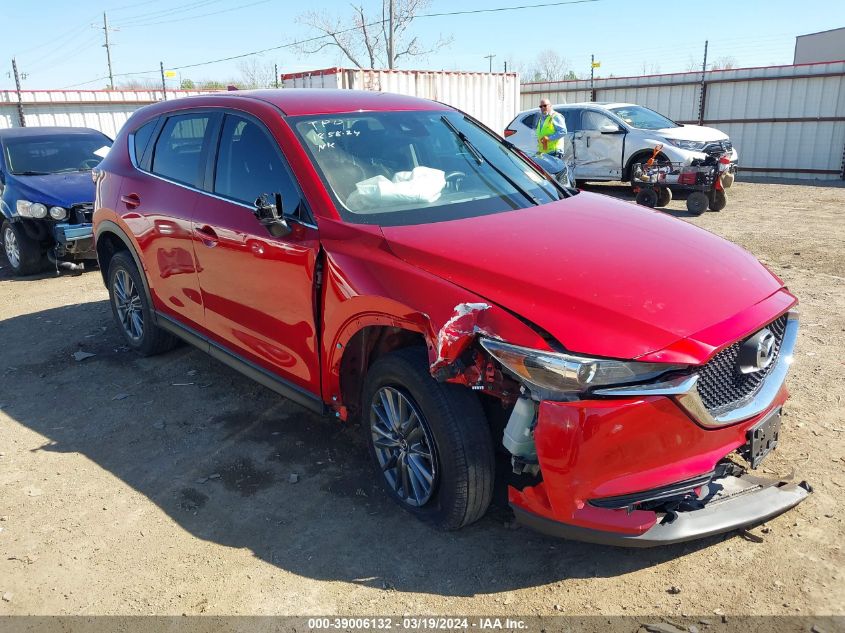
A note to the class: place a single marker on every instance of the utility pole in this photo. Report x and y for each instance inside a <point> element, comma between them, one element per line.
<point>592,72</point>
<point>703,91</point>
<point>390,59</point>
<point>108,49</point>
<point>506,67</point>
<point>276,74</point>
<point>490,58</point>
<point>163,85</point>
<point>18,90</point>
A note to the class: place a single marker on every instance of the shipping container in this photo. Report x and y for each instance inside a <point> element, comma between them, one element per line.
<point>492,98</point>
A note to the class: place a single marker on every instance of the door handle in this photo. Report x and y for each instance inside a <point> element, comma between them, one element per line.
<point>207,235</point>
<point>131,200</point>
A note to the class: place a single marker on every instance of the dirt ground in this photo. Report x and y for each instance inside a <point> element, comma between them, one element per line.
<point>163,485</point>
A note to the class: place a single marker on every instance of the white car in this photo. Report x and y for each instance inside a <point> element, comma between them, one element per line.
<point>604,140</point>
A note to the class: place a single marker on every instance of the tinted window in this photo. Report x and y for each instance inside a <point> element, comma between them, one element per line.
<point>142,139</point>
<point>179,148</point>
<point>530,120</point>
<point>249,164</point>
<point>573,123</point>
<point>592,120</point>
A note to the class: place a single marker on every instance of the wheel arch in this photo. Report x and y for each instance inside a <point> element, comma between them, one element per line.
<point>366,341</point>
<point>111,239</point>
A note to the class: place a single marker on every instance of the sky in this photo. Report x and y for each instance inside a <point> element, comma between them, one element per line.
<point>60,44</point>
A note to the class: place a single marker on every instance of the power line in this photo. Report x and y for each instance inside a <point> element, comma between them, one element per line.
<point>340,32</point>
<point>194,17</point>
<point>154,15</point>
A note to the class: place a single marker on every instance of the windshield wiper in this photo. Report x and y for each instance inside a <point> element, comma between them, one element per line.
<point>30,173</point>
<point>479,157</point>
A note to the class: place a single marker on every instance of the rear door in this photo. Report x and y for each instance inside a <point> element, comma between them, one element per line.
<point>157,201</point>
<point>598,153</point>
<point>257,290</point>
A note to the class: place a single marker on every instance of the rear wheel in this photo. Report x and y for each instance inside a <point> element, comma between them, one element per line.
<point>23,253</point>
<point>429,441</point>
<point>647,197</point>
<point>718,200</point>
<point>132,311</point>
<point>697,202</point>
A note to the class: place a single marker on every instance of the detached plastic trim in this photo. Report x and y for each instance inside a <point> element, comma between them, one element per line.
<point>718,516</point>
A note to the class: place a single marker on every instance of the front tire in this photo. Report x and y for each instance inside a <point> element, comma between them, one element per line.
<point>132,311</point>
<point>22,252</point>
<point>429,441</point>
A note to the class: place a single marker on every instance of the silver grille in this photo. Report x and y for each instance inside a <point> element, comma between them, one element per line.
<point>722,386</point>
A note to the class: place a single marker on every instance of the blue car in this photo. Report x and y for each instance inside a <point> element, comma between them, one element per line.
<point>47,195</point>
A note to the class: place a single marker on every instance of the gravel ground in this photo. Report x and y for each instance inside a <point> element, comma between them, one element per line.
<point>163,485</point>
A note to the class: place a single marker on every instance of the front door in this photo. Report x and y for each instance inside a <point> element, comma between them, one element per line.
<point>598,151</point>
<point>258,290</point>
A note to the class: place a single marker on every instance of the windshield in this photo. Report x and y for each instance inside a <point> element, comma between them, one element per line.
<point>53,154</point>
<point>392,168</point>
<point>643,118</point>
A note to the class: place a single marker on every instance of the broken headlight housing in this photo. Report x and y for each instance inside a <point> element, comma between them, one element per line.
<point>569,374</point>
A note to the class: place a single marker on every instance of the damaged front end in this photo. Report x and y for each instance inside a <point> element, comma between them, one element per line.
<point>610,451</point>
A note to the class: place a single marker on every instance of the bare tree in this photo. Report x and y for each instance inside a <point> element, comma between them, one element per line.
<point>256,74</point>
<point>692,64</point>
<point>650,68</point>
<point>723,63</point>
<point>549,66</point>
<point>139,83</point>
<point>365,37</point>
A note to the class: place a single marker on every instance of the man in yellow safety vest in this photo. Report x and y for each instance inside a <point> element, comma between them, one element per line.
<point>551,127</point>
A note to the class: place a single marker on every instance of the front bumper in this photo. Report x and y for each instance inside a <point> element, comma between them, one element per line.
<point>594,449</point>
<point>74,239</point>
<point>733,503</point>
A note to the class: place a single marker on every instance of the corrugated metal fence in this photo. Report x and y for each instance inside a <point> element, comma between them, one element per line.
<point>785,121</point>
<point>104,110</point>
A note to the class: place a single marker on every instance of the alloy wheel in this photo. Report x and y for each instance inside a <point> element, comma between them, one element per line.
<point>13,251</point>
<point>127,301</point>
<point>403,446</point>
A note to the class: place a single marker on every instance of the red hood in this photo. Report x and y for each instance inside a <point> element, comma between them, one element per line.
<point>604,277</point>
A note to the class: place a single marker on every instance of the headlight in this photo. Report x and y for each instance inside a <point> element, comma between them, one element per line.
<point>695,146</point>
<point>58,213</point>
<point>567,373</point>
<point>29,209</point>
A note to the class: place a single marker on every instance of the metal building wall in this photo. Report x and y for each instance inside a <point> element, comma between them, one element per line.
<point>492,98</point>
<point>103,110</point>
<point>785,121</point>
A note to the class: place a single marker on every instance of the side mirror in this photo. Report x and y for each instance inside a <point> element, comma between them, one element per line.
<point>268,211</point>
<point>610,128</point>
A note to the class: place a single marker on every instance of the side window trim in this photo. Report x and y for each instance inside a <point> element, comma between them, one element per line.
<point>147,156</point>
<point>209,152</point>
<point>302,209</point>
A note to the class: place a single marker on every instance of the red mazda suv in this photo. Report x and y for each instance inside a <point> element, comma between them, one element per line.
<point>392,261</point>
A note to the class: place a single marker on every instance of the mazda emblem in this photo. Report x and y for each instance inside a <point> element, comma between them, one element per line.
<point>757,352</point>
